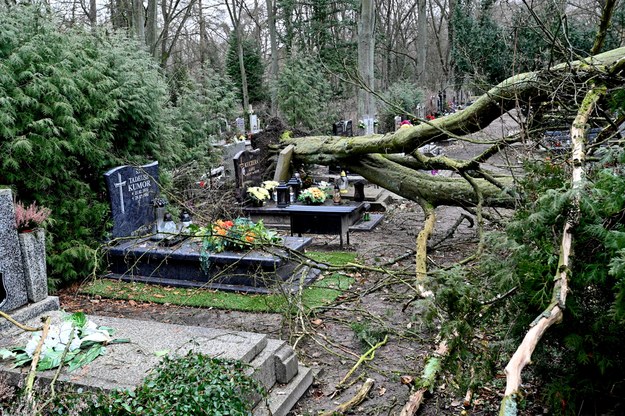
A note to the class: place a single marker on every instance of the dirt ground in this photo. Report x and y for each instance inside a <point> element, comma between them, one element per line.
<point>331,346</point>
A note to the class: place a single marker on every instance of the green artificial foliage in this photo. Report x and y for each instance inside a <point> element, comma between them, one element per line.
<point>254,69</point>
<point>304,95</point>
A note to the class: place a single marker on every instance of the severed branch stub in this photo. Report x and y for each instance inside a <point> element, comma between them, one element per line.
<point>358,398</point>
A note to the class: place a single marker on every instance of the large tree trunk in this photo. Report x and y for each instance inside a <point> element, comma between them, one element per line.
<point>151,33</point>
<point>375,157</point>
<point>366,41</point>
<point>422,41</point>
<point>271,16</point>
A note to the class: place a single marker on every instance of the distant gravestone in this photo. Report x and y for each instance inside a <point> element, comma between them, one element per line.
<point>254,128</point>
<point>349,130</point>
<point>131,193</point>
<point>12,284</point>
<point>247,168</point>
<point>397,120</point>
<point>338,128</point>
<point>240,122</point>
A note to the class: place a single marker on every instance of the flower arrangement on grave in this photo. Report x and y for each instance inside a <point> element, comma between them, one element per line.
<point>312,196</point>
<point>28,218</point>
<point>237,235</point>
<point>361,124</point>
<point>258,194</point>
<point>270,185</point>
<point>76,342</point>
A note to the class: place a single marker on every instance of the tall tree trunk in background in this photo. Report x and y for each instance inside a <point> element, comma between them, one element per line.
<point>234,10</point>
<point>273,77</point>
<point>366,100</point>
<point>92,16</point>
<point>151,33</point>
<point>422,41</point>
<point>119,13</point>
<point>202,34</point>
<point>138,20</point>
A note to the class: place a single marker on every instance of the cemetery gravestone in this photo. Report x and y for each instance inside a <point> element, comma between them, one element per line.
<point>12,283</point>
<point>254,123</point>
<point>131,194</point>
<point>338,128</point>
<point>240,125</point>
<point>397,120</point>
<point>348,132</point>
<point>229,152</point>
<point>247,168</point>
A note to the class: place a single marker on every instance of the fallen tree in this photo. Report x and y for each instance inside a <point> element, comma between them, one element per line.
<point>378,157</point>
<point>394,162</point>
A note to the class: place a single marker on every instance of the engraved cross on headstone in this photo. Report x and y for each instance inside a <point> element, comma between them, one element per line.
<point>119,185</point>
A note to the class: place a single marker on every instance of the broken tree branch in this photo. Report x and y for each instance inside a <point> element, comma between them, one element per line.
<point>554,312</point>
<point>360,396</point>
<point>17,324</point>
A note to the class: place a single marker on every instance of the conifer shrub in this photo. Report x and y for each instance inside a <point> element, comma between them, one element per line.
<point>73,105</point>
<point>489,307</point>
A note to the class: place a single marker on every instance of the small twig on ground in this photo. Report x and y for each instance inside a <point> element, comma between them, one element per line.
<point>360,396</point>
<point>17,324</point>
<point>368,356</point>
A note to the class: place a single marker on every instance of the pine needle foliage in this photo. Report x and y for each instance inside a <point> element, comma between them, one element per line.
<point>304,95</point>
<point>488,308</point>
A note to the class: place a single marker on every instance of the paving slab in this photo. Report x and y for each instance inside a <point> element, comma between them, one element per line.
<point>125,365</point>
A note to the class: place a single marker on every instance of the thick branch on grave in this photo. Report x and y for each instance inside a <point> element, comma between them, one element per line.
<point>436,190</point>
<point>501,98</point>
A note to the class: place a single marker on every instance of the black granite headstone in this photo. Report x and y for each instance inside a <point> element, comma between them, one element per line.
<point>132,190</point>
<point>247,168</point>
<point>338,128</point>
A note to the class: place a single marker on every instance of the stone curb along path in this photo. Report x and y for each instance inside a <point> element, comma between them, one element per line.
<point>273,362</point>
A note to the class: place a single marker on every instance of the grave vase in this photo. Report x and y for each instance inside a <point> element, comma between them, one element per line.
<point>33,248</point>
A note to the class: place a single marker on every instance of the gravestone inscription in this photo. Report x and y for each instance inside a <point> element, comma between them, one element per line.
<point>247,168</point>
<point>132,190</point>
<point>13,291</point>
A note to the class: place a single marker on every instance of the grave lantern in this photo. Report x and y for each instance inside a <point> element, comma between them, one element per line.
<point>283,196</point>
<point>359,191</point>
<point>343,182</point>
<point>295,186</point>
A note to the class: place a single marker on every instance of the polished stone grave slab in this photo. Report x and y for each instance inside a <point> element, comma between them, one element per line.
<point>182,265</point>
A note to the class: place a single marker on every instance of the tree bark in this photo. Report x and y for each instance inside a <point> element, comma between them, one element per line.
<point>422,41</point>
<point>273,43</point>
<point>138,20</point>
<point>366,41</point>
<point>151,33</point>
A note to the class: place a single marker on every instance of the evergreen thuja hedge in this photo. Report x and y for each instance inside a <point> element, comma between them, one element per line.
<point>73,105</point>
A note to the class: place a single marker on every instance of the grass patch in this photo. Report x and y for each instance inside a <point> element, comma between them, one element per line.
<point>322,292</point>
